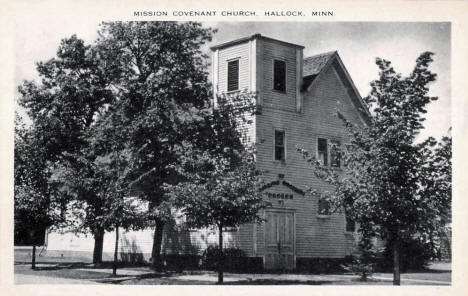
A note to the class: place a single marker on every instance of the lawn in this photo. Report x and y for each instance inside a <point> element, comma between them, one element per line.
<point>78,270</point>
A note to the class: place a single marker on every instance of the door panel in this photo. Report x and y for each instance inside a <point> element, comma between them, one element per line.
<point>279,240</point>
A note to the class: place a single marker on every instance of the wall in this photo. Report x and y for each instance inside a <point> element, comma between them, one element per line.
<point>238,51</point>
<point>272,98</point>
<point>315,236</point>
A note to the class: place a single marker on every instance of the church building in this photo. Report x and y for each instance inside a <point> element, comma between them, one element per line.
<point>297,101</point>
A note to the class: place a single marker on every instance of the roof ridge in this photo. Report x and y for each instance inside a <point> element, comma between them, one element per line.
<point>251,37</point>
<point>322,54</point>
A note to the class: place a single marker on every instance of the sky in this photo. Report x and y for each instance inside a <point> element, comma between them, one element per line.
<point>357,43</point>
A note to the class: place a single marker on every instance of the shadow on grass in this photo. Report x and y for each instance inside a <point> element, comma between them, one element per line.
<point>54,265</point>
<point>276,282</point>
<point>426,270</point>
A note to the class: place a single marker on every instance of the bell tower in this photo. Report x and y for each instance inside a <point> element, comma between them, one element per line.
<point>271,68</point>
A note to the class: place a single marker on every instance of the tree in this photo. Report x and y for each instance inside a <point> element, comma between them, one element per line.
<point>109,144</point>
<point>153,76</point>
<point>389,181</point>
<point>35,203</point>
<point>74,88</point>
<point>96,180</point>
<point>161,83</point>
<point>438,184</point>
<point>220,186</point>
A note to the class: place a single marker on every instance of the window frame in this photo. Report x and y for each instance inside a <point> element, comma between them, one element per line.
<point>285,75</point>
<point>284,144</point>
<point>323,215</point>
<point>346,225</point>
<point>329,161</point>
<point>238,74</point>
<point>338,142</point>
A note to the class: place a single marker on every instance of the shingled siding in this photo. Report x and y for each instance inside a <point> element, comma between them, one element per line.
<point>315,236</point>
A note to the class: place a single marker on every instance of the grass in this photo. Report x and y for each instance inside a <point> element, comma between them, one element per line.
<point>81,268</point>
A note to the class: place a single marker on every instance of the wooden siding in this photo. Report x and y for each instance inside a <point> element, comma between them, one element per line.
<point>241,52</point>
<point>175,241</point>
<point>272,98</point>
<point>315,236</point>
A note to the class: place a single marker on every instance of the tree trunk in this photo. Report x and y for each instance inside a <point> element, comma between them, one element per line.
<point>116,251</point>
<point>396,263</point>
<point>98,245</point>
<point>221,256</point>
<point>157,241</point>
<point>33,263</point>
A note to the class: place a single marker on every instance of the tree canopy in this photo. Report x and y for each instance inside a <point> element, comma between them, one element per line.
<point>220,182</point>
<point>108,115</point>
<point>392,185</point>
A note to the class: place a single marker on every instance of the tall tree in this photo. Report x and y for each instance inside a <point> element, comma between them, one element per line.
<point>161,82</point>
<point>220,182</point>
<point>388,183</point>
<point>74,88</point>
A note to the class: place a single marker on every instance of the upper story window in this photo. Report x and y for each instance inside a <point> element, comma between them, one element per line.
<point>335,154</point>
<point>279,75</point>
<point>322,151</point>
<point>324,208</point>
<point>233,75</point>
<point>280,151</point>
<point>328,152</point>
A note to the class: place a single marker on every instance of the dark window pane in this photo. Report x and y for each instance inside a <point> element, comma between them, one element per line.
<point>279,153</point>
<point>350,225</point>
<point>335,155</point>
<point>233,76</point>
<point>323,207</point>
<point>279,138</point>
<point>279,145</point>
<point>322,151</point>
<point>279,74</point>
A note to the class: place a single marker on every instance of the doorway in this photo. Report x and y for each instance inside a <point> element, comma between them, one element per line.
<point>279,239</point>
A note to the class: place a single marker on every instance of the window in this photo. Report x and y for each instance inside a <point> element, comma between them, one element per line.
<point>335,155</point>
<point>279,145</point>
<point>322,151</point>
<point>323,207</point>
<point>233,76</point>
<point>279,75</point>
<point>328,152</point>
<point>350,225</point>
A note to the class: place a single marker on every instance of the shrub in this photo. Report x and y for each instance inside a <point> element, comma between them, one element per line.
<point>179,262</point>
<point>414,255</point>
<point>131,258</point>
<point>322,265</point>
<point>360,267</point>
<point>234,259</point>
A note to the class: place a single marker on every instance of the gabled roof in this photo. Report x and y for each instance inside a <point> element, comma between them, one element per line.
<point>314,65</point>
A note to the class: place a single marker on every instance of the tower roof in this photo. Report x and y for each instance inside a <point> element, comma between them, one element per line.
<point>252,37</point>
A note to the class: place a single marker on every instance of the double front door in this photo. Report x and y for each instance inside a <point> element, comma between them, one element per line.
<point>279,239</point>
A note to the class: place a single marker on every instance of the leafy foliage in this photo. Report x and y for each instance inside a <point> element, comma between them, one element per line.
<point>391,185</point>
<point>35,201</point>
<point>108,115</point>
<point>220,182</point>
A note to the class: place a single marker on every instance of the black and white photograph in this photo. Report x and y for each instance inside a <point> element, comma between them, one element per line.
<point>233,152</point>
